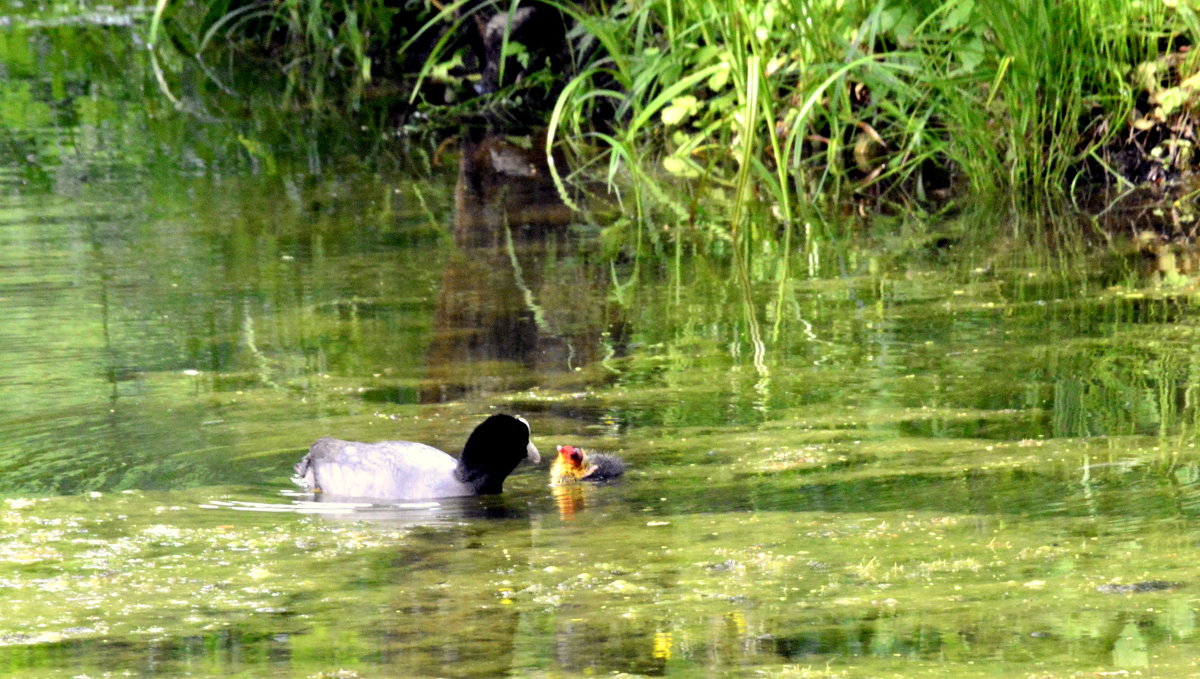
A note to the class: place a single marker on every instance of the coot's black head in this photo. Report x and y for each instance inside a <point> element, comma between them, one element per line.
<point>493,450</point>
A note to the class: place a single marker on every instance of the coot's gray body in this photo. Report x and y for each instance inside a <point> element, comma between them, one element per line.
<point>406,470</point>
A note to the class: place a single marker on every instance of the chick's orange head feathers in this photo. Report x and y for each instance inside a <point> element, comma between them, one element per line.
<point>569,466</point>
<point>570,456</point>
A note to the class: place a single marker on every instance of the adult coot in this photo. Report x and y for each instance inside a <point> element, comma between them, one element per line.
<point>575,464</point>
<point>404,470</point>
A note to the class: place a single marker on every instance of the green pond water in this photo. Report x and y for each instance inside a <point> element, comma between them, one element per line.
<point>951,455</point>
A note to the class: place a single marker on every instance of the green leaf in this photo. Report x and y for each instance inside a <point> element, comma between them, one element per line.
<point>719,79</point>
<point>518,50</point>
<point>971,54</point>
<point>680,109</point>
<point>1171,100</point>
<point>958,15</point>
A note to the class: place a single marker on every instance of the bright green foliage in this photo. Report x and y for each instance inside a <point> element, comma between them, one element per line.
<point>713,111</point>
<point>893,99</point>
<point>716,104</point>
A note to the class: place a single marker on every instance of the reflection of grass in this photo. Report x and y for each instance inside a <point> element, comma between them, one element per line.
<point>1013,335</point>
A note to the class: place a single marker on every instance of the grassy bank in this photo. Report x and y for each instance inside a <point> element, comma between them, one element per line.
<point>798,102</point>
<point>706,112</point>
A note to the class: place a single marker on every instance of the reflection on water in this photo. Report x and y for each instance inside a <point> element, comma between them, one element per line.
<point>398,514</point>
<point>962,472</point>
<point>500,321</point>
<point>967,455</point>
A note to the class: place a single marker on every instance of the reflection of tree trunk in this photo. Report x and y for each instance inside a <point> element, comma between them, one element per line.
<point>490,332</point>
<point>606,646</point>
<point>501,185</point>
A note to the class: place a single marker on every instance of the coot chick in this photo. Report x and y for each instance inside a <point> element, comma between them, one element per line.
<point>404,470</point>
<point>575,464</point>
